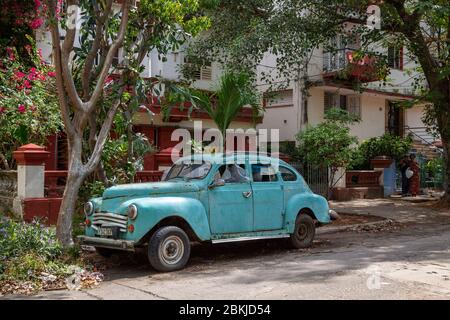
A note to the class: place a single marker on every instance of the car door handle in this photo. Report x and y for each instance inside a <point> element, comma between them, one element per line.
<point>247,194</point>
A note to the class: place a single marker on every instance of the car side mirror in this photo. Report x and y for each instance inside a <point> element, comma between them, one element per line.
<point>217,183</point>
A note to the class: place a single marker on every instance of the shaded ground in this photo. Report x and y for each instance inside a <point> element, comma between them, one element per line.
<point>411,261</point>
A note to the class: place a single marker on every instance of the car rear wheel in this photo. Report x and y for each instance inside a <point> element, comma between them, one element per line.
<point>304,232</point>
<point>169,249</point>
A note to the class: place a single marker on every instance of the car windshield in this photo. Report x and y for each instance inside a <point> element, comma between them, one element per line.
<point>188,171</point>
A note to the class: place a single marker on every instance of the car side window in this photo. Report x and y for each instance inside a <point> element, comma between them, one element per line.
<point>287,174</point>
<point>264,173</point>
<point>232,173</point>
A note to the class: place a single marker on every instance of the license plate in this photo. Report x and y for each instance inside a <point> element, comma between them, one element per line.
<point>105,232</point>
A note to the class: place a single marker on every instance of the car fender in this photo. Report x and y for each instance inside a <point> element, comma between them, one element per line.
<point>317,204</point>
<point>152,210</point>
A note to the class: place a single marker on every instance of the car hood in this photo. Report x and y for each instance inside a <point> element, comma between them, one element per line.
<point>149,189</point>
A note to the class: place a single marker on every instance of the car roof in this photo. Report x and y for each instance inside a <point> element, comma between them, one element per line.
<point>232,157</point>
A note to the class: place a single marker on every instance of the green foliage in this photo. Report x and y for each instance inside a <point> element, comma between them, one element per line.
<point>329,144</point>
<point>20,238</point>
<point>435,168</point>
<point>28,106</point>
<point>341,116</point>
<point>30,252</point>
<point>26,249</point>
<point>117,165</point>
<point>234,91</point>
<point>387,145</point>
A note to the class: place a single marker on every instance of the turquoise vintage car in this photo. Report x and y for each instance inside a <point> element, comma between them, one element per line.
<point>216,198</point>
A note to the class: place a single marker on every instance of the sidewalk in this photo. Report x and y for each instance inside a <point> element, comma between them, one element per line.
<point>394,209</point>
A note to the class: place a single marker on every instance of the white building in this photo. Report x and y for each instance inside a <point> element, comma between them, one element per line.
<point>374,103</point>
<point>289,110</point>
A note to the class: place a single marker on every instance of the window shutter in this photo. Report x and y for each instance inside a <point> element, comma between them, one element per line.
<point>354,105</point>
<point>343,102</point>
<point>206,73</point>
<point>327,101</point>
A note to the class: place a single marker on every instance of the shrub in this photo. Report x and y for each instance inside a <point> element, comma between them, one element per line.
<point>29,109</point>
<point>32,259</point>
<point>329,144</point>
<point>386,145</point>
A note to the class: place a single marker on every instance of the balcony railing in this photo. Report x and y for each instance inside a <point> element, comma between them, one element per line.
<point>345,63</point>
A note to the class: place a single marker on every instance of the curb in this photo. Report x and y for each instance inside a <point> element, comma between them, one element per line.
<point>354,226</point>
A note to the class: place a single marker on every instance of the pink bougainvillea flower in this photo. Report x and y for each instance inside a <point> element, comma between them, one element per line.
<point>51,74</point>
<point>37,4</point>
<point>36,23</point>
<point>10,54</point>
<point>27,84</point>
<point>21,108</point>
<point>2,109</point>
<point>19,74</point>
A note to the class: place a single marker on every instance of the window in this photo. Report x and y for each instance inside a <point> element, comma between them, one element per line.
<point>331,101</point>
<point>287,174</point>
<point>395,58</point>
<point>202,70</point>
<point>350,103</point>
<point>354,105</point>
<point>188,171</point>
<point>279,99</point>
<point>115,61</point>
<point>335,53</point>
<point>263,173</point>
<point>232,173</point>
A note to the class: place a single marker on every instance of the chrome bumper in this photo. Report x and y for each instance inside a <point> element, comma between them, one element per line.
<point>125,245</point>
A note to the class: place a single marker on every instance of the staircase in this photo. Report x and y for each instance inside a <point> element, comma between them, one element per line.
<point>424,143</point>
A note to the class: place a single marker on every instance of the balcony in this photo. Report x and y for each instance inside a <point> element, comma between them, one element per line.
<point>345,65</point>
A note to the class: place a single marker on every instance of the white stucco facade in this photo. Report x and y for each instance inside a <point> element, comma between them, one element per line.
<point>289,115</point>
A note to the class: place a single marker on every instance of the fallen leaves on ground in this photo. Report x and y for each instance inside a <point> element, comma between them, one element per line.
<point>385,226</point>
<point>81,279</point>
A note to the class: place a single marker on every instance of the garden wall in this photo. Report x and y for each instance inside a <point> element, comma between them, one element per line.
<point>8,190</point>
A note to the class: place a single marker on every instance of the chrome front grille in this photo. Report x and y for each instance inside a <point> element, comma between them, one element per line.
<point>103,219</point>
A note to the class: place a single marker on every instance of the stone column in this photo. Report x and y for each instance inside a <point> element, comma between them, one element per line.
<point>30,174</point>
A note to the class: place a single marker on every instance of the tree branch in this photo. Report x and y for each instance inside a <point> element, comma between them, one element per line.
<point>103,135</point>
<point>67,48</point>
<point>90,58</point>
<point>109,57</point>
<point>56,48</point>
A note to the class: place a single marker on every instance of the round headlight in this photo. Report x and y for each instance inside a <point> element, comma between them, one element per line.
<point>132,212</point>
<point>88,208</point>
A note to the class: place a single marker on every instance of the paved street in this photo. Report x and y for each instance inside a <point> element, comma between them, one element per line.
<point>412,262</point>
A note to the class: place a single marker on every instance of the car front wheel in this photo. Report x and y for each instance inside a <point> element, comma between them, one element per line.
<point>169,249</point>
<point>304,232</point>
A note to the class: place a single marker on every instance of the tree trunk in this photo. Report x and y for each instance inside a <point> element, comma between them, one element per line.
<point>75,178</point>
<point>68,207</point>
<point>446,145</point>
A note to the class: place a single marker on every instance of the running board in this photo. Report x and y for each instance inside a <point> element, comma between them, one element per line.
<point>250,238</point>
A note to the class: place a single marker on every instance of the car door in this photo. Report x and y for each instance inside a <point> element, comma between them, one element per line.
<point>268,199</point>
<point>231,205</point>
